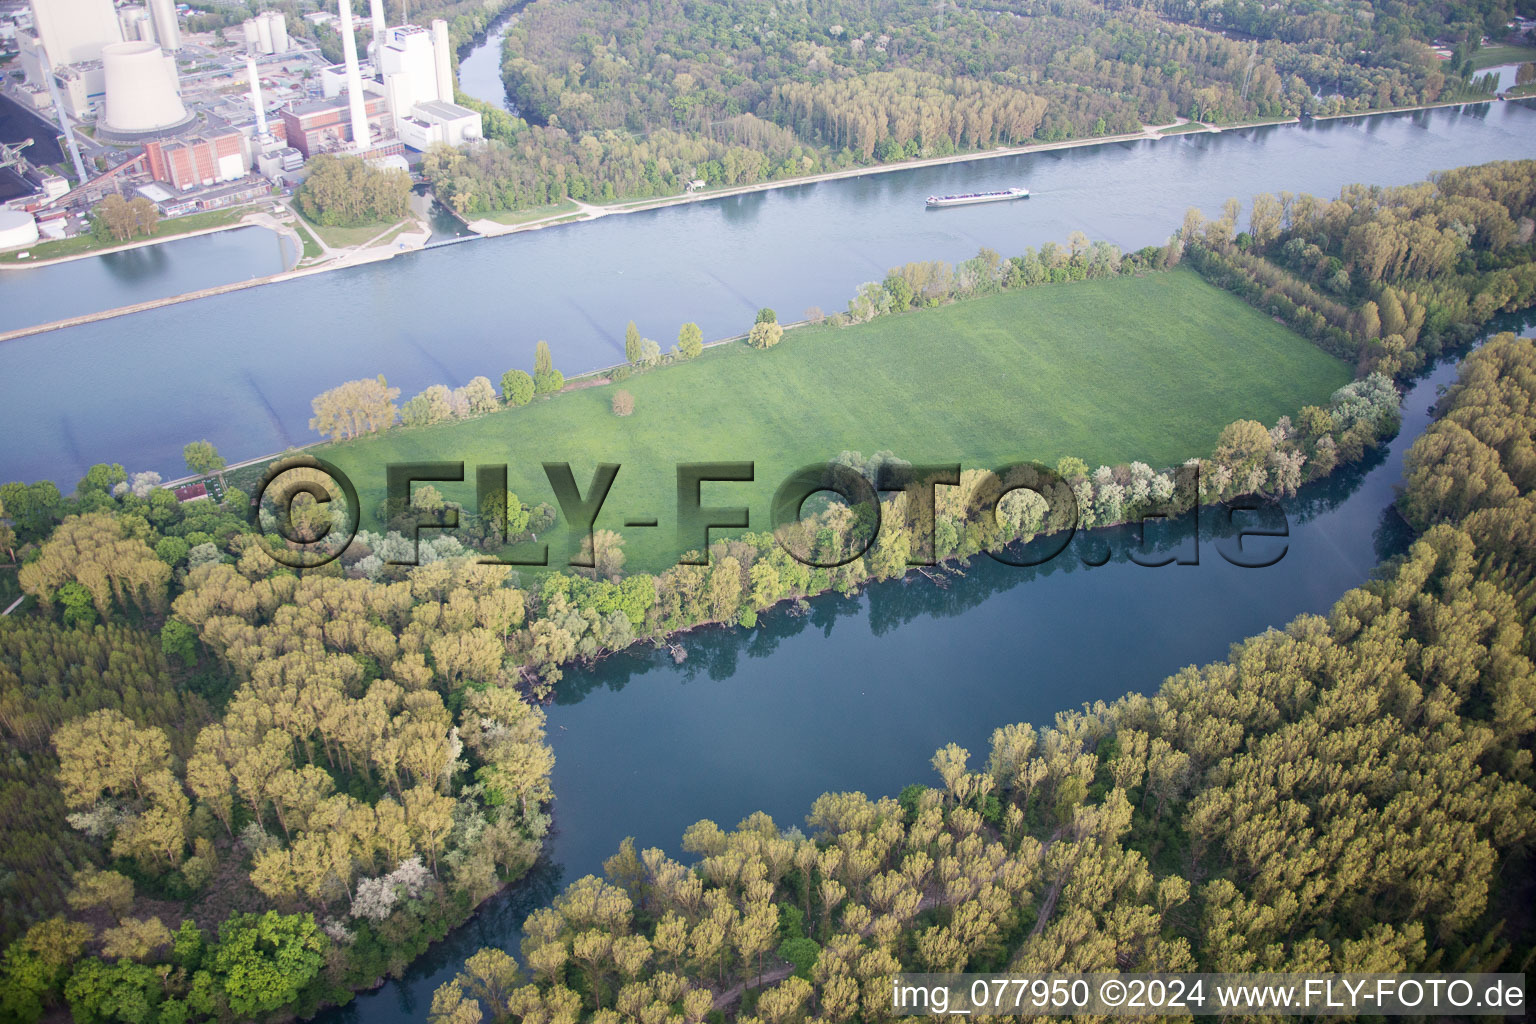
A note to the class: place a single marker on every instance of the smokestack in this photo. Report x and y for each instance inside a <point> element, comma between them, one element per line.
<point>377,10</point>
<point>167,28</point>
<point>261,108</point>
<point>360,137</point>
<point>444,60</point>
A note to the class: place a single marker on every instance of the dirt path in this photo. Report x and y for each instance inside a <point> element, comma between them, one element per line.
<point>731,995</point>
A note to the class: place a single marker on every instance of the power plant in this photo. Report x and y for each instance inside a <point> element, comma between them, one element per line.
<point>196,121</point>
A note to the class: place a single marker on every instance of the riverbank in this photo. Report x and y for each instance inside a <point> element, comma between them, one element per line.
<point>588,211</point>
<point>13,261</point>
<point>341,259</point>
<point>388,243</point>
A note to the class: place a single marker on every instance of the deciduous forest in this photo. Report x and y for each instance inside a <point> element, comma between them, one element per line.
<point>1351,793</point>
<point>237,790</point>
<point>621,101</point>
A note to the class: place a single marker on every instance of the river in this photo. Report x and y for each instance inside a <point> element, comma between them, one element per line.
<point>858,693</point>
<point>240,369</point>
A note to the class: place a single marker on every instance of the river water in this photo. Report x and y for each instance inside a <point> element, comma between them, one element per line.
<point>858,693</point>
<point>240,369</point>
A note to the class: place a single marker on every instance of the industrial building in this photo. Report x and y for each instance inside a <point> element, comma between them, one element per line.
<point>187,163</point>
<point>320,126</point>
<point>176,132</point>
<point>437,123</point>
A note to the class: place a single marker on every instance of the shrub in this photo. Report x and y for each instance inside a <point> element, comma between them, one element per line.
<point>765,335</point>
<point>549,383</point>
<point>516,387</point>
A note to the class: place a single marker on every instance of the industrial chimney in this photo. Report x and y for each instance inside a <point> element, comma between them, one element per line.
<point>444,60</point>
<point>167,29</point>
<point>256,101</point>
<point>377,10</point>
<point>360,137</point>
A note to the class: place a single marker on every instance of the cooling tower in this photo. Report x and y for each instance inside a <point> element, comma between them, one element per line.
<point>444,60</point>
<point>167,29</point>
<point>141,88</point>
<point>361,137</point>
<point>73,31</point>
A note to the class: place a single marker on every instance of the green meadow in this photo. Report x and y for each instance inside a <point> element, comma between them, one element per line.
<point>1148,368</point>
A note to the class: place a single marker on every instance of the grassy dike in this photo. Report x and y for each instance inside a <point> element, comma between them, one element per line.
<point>1148,368</point>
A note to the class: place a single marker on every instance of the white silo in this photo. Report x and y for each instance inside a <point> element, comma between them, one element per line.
<point>361,138</point>
<point>444,60</point>
<point>167,28</point>
<point>264,33</point>
<point>252,36</point>
<point>277,30</point>
<point>142,94</point>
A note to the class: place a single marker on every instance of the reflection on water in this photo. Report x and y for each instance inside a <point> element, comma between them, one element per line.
<point>136,265</point>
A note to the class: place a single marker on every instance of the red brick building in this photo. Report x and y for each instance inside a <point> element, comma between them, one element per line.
<point>196,160</point>
<point>310,126</point>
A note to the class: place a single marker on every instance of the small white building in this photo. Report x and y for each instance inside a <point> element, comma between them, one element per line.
<point>435,122</point>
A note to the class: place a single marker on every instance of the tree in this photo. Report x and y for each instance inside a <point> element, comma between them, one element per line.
<point>549,383</point>
<point>101,993</point>
<point>354,408</point>
<point>623,403</point>
<point>203,458</point>
<point>765,334</point>
<point>101,478</point>
<point>632,343</point>
<point>145,215</point>
<point>690,340</point>
<point>516,388</point>
<point>434,405</point>
<point>114,218</point>
<point>135,938</point>
<point>766,316</point>
<point>346,192</point>
<point>106,889</point>
<point>265,961</point>
<point>546,379</point>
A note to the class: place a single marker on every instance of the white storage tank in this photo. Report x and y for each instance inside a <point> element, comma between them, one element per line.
<point>264,34</point>
<point>17,229</point>
<point>142,94</point>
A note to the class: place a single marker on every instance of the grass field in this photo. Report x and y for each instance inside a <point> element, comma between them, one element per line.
<point>1147,368</point>
<point>1493,56</point>
<point>515,217</point>
<point>341,238</point>
<point>1184,129</point>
